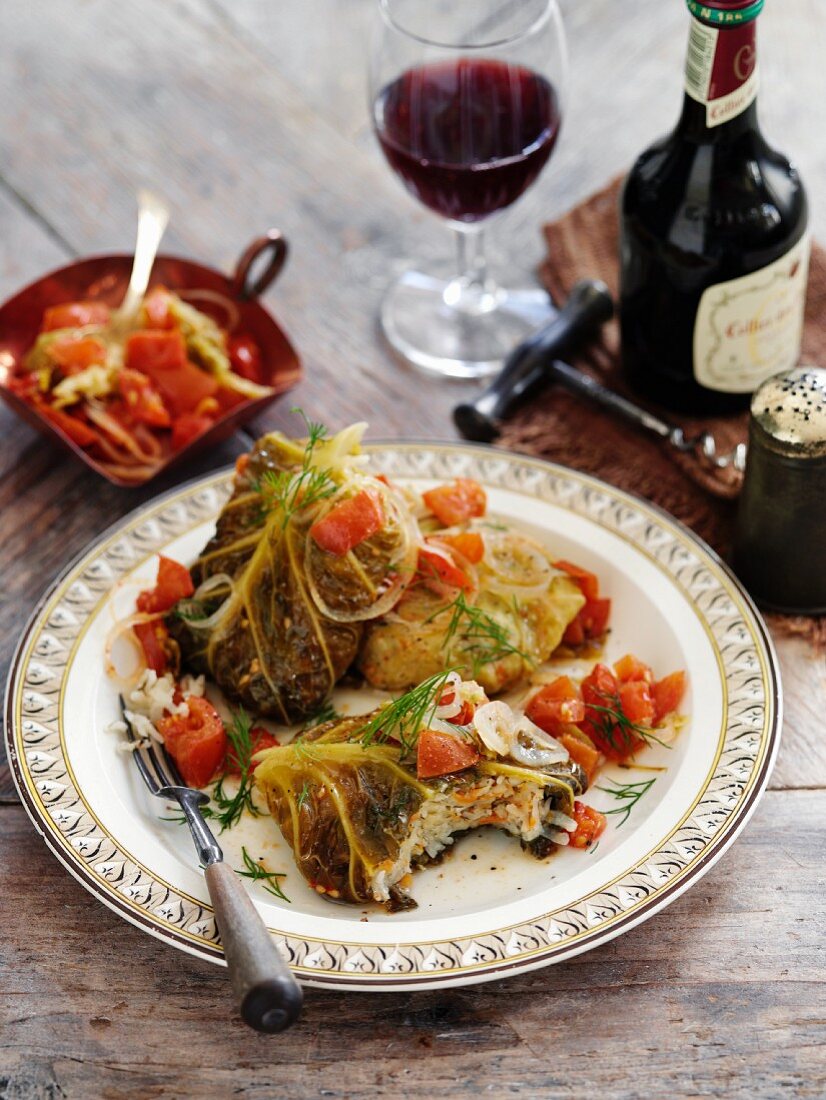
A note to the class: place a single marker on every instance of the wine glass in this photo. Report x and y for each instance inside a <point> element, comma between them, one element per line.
<point>466,105</point>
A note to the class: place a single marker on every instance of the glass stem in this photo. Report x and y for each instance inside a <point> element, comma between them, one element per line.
<point>472,291</point>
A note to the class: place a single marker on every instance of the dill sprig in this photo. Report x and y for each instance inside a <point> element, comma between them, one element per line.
<point>288,490</point>
<point>612,721</point>
<point>303,794</point>
<point>227,809</point>
<point>270,880</point>
<point>484,639</point>
<point>405,716</point>
<point>628,794</point>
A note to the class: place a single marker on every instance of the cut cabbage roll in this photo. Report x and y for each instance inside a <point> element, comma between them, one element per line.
<point>276,621</point>
<point>353,803</point>
<point>497,633</point>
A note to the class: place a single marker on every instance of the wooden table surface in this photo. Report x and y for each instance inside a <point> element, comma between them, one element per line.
<point>247,114</point>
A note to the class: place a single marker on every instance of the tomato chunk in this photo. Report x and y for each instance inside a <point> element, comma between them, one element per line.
<point>466,712</point>
<point>556,705</point>
<point>632,668</point>
<point>142,399</point>
<point>457,502</point>
<point>349,523</point>
<point>441,753</point>
<point>437,567</point>
<point>197,741</point>
<point>668,694</point>
<point>75,353</point>
<point>162,357</point>
<point>75,315</point>
<point>174,583</point>
<point>153,350</point>
<point>470,545</point>
<point>152,637</point>
<point>636,702</point>
<point>587,581</point>
<point>590,824</point>
<point>585,755</point>
<point>189,426</point>
<point>601,694</point>
<point>245,358</point>
<point>75,429</point>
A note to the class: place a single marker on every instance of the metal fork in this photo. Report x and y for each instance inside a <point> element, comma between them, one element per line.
<point>268,996</point>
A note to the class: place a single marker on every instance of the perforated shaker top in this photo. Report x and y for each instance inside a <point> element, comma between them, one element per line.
<point>790,408</point>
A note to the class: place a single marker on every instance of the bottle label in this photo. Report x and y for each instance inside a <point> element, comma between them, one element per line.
<point>750,328</point>
<point>721,70</point>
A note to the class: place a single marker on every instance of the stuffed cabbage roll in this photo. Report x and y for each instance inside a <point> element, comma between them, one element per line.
<point>306,549</point>
<point>509,617</point>
<point>364,801</point>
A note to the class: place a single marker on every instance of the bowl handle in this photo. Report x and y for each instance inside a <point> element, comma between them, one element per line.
<point>247,285</point>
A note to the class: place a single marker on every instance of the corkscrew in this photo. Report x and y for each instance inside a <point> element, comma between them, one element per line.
<point>534,363</point>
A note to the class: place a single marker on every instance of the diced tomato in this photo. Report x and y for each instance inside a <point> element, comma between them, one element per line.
<point>600,684</point>
<point>156,309</point>
<point>636,702</point>
<point>174,583</point>
<point>75,315</point>
<point>585,755</point>
<point>162,356</point>
<point>241,463</point>
<point>142,399</point>
<point>189,426</point>
<point>260,739</point>
<point>668,694</point>
<point>75,353</point>
<point>153,350</point>
<point>436,566</point>
<point>75,429</point>
<point>152,637</point>
<point>590,824</point>
<point>632,668</point>
<point>465,714</point>
<point>556,705</point>
<point>590,623</point>
<point>197,741</point>
<point>441,753</point>
<point>594,617</point>
<point>470,545</point>
<point>349,523</point>
<point>183,388</point>
<point>456,502</point>
<point>245,358</point>
<point>574,632</point>
<point>587,581</point>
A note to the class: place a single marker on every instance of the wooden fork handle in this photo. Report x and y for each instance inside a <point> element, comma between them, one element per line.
<point>268,996</point>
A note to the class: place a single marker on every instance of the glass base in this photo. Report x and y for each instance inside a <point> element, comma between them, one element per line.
<point>457,328</point>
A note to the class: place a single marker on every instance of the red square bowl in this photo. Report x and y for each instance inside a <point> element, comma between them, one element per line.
<point>105,278</point>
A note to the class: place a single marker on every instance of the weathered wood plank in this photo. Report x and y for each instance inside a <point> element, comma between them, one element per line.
<point>722,994</point>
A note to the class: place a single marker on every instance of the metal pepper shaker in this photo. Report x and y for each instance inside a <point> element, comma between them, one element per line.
<point>780,541</point>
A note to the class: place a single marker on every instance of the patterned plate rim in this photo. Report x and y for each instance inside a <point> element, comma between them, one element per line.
<point>539,941</point>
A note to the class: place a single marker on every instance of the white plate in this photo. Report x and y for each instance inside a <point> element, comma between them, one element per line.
<point>674,605</point>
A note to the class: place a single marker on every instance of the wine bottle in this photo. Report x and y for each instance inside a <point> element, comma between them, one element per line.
<point>714,248</point>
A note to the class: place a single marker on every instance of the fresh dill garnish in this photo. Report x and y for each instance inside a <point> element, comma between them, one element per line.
<point>611,721</point>
<point>628,794</point>
<point>404,717</point>
<point>303,794</point>
<point>270,880</point>
<point>288,490</point>
<point>483,639</point>
<point>325,713</point>
<point>227,809</point>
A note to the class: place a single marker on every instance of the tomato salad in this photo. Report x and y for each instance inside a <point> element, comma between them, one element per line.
<point>133,393</point>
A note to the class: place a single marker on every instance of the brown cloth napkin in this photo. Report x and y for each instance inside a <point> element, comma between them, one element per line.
<point>573,432</point>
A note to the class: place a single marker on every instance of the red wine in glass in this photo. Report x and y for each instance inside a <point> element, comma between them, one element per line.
<point>467,136</point>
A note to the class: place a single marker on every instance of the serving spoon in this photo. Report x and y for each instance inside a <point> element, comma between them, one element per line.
<point>153,217</point>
